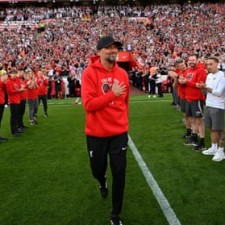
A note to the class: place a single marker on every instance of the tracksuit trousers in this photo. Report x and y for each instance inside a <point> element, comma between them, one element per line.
<point>116,147</point>
<point>14,117</point>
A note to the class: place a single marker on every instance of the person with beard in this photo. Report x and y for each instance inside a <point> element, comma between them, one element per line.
<point>105,96</point>
<point>194,97</point>
<point>214,110</point>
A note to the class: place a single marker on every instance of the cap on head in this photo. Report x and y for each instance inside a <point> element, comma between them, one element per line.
<point>106,41</point>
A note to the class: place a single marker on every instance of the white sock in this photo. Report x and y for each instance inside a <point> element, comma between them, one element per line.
<point>220,149</point>
<point>214,146</point>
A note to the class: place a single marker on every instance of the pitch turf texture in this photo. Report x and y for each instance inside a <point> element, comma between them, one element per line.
<point>45,177</point>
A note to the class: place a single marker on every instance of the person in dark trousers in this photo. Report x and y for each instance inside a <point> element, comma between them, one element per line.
<point>13,88</point>
<point>152,82</point>
<point>23,97</point>
<point>158,83</point>
<point>105,96</point>
<point>71,84</point>
<point>58,86</point>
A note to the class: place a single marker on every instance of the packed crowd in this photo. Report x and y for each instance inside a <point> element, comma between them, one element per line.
<point>168,31</point>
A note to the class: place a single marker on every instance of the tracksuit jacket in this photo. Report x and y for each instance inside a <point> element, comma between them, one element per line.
<point>106,114</point>
<point>193,76</point>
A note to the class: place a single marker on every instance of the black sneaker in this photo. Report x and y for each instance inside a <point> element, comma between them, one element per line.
<point>103,189</point>
<point>200,147</point>
<point>115,220</point>
<point>190,141</point>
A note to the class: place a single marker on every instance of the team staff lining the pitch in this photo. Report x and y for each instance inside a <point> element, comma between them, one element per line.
<point>105,96</point>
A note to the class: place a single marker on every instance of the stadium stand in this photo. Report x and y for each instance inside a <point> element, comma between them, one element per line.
<point>62,37</point>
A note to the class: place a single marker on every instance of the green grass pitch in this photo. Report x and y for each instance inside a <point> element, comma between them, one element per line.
<point>45,178</point>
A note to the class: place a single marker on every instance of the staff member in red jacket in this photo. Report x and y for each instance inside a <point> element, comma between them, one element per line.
<point>180,74</point>
<point>13,89</point>
<point>3,78</point>
<point>23,99</point>
<point>196,73</point>
<point>42,91</point>
<point>105,95</point>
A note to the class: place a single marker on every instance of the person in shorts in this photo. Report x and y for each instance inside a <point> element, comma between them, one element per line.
<point>196,73</point>
<point>214,111</point>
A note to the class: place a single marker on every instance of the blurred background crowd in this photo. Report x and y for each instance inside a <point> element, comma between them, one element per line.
<point>61,40</point>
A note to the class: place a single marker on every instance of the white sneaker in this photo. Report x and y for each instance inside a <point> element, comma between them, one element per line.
<point>209,151</point>
<point>149,96</point>
<point>219,156</point>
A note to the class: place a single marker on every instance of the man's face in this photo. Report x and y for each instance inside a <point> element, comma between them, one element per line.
<point>40,74</point>
<point>14,76</point>
<point>181,66</point>
<point>192,61</point>
<point>109,54</point>
<point>20,73</point>
<point>211,66</point>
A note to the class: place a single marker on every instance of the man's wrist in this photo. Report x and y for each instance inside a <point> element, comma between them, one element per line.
<point>208,89</point>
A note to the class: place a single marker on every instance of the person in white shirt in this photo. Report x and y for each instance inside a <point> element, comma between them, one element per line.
<point>214,112</point>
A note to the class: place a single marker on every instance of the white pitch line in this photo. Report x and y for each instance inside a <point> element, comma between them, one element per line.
<point>162,200</point>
